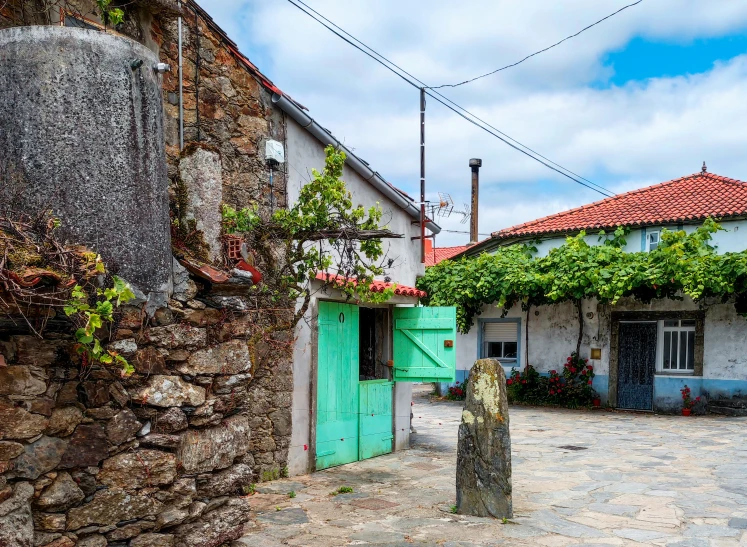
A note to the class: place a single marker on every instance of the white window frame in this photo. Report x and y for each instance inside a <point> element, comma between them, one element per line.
<point>509,361</point>
<point>660,347</point>
<point>648,239</point>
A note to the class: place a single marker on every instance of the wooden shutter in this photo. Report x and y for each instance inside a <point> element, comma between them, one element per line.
<point>424,344</point>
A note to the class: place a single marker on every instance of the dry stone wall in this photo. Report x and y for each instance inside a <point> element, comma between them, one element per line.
<point>161,458</point>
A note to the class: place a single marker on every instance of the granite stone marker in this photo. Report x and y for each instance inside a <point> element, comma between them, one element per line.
<point>483,476</point>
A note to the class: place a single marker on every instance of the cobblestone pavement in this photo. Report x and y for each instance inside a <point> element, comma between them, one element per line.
<point>579,478</point>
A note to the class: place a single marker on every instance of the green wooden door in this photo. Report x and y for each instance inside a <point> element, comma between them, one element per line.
<point>424,344</point>
<point>376,423</point>
<point>337,423</point>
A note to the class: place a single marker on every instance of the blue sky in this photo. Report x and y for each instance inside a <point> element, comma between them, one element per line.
<point>642,98</point>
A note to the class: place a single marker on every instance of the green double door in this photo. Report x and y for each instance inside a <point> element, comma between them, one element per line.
<point>354,419</point>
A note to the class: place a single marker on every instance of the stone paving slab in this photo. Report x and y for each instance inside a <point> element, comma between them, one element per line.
<point>643,480</point>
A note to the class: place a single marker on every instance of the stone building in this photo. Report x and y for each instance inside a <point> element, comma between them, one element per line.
<point>136,168</point>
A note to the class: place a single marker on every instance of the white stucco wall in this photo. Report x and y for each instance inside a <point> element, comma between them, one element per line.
<point>303,153</point>
<point>732,239</point>
<point>553,331</point>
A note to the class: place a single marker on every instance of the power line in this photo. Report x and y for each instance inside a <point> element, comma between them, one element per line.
<point>541,50</point>
<point>383,61</point>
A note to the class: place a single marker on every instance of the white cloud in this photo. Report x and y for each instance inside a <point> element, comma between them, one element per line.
<point>621,137</point>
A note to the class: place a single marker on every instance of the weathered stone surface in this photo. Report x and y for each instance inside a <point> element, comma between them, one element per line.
<point>170,517</point>
<point>216,527</point>
<point>61,542</point>
<point>110,507</point>
<point>167,391</point>
<point>201,173</point>
<point>37,458</point>
<point>62,494</point>
<point>16,423</point>
<point>130,530</point>
<point>31,350</point>
<point>122,427</point>
<point>96,540</point>
<point>483,477</point>
<point>227,358</point>
<point>41,405</point>
<point>184,288</point>
<point>87,447</point>
<point>153,540</point>
<point>227,482</point>
<point>126,347</point>
<point>97,393</point>
<point>68,394</point>
<point>119,394</point>
<point>214,448</point>
<point>149,361</point>
<point>230,384</point>
<point>16,524</point>
<point>170,421</point>
<point>63,421</point>
<point>9,450</point>
<point>160,440</point>
<point>138,469</point>
<point>49,522</point>
<point>178,336</point>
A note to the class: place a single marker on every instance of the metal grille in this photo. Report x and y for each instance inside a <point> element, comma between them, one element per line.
<point>636,364</point>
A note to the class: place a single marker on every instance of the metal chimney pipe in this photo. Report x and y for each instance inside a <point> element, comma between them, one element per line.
<point>475,164</point>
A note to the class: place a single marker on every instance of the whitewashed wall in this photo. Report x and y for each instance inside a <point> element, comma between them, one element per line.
<point>303,153</point>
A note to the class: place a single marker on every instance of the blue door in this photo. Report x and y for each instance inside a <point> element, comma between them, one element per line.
<point>636,364</point>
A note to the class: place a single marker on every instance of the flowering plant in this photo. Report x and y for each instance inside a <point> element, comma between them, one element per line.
<point>687,400</point>
<point>458,391</point>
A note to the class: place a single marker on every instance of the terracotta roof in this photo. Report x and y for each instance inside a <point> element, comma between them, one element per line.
<point>376,286</point>
<point>442,253</point>
<point>690,198</point>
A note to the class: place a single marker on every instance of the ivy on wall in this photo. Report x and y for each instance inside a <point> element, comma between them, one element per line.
<point>682,264</point>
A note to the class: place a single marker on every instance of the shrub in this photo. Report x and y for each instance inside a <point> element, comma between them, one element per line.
<point>571,388</point>
<point>457,392</point>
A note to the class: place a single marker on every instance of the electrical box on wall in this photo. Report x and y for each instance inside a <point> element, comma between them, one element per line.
<point>274,152</point>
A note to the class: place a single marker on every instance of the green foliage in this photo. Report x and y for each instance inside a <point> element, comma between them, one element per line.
<point>682,264</point>
<point>244,220</point>
<point>342,490</point>
<point>250,489</point>
<point>292,494</point>
<point>109,16</point>
<point>571,388</point>
<point>93,316</point>
<point>320,233</point>
<point>270,475</point>
<point>453,509</point>
<point>457,392</point>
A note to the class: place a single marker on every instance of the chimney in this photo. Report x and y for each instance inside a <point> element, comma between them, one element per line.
<point>428,246</point>
<point>475,164</point>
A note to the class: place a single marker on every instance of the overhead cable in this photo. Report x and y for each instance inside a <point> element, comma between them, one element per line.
<point>474,119</point>
<point>540,51</point>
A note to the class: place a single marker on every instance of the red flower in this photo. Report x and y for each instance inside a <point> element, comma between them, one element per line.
<point>697,399</point>
<point>586,360</point>
<point>558,391</point>
<point>573,370</point>
<point>509,382</point>
<point>590,367</point>
<point>589,382</point>
<point>553,372</point>
<point>552,392</point>
<point>523,381</point>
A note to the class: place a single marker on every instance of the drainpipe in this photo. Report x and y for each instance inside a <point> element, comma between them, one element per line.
<point>181,85</point>
<point>475,164</point>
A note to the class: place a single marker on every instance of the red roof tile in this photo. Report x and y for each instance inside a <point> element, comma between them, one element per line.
<point>376,286</point>
<point>694,197</point>
<point>442,253</point>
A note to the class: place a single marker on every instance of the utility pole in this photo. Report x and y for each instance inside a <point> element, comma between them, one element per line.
<point>422,175</point>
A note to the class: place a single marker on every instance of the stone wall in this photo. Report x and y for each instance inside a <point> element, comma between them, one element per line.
<point>226,104</point>
<point>162,457</point>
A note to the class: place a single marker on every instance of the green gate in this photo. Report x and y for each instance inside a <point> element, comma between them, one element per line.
<point>376,423</point>
<point>337,426</point>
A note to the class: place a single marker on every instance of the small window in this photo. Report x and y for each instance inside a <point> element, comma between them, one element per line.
<point>677,347</point>
<point>500,340</point>
<point>652,240</point>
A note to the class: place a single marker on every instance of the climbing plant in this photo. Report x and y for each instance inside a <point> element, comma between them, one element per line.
<point>682,264</point>
<point>323,231</point>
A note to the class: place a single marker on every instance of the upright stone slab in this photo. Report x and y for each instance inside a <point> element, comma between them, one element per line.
<point>483,479</point>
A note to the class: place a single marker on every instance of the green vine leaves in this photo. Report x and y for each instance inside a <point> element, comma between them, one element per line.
<point>321,230</point>
<point>111,17</point>
<point>682,264</point>
<point>93,316</point>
